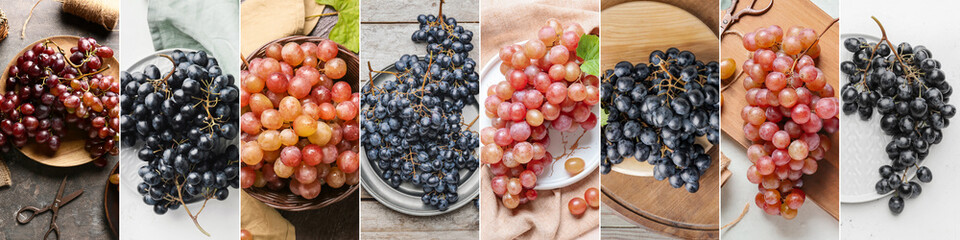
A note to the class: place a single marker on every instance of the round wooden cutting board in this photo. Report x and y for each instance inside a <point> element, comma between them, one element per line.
<point>71,152</point>
<point>629,31</point>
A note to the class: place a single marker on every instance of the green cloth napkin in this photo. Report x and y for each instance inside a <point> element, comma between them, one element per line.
<point>210,25</point>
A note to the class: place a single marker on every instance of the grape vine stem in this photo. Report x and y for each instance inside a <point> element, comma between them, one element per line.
<point>795,61</point>
<point>322,15</point>
<point>192,216</point>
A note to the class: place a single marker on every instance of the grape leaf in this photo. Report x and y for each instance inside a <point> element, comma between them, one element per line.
<point>589,50</point>
<point>591,67</point>
<point>347,29</point>
<point>603,118</point>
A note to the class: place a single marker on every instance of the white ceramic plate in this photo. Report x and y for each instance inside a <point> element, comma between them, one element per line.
<point>134,210</point>
<point>555,176</point>
<point>864,145</point>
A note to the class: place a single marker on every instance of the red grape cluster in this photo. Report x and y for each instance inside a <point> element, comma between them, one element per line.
<point>46,89</point>
<point>299,120</point>
<point>791,110</point>
<point>544,89</point>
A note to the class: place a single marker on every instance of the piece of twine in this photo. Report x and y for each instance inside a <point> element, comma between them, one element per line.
<point>97,11</point>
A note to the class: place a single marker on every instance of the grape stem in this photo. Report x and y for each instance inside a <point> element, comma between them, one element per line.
<point>322,15</point>
<point>672,83</point>
<point>192,216</point>
<point>65,57</point>
<point>207,103</point>
<point>101,70</point>
<point>908,70</point>
<point>472,122</point>
<point>795,61</point>
<point>573,147</point>
<point>895,53</point>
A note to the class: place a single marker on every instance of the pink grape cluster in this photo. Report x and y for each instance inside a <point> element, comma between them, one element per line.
<point>544,89</point>
<point>791,111</point>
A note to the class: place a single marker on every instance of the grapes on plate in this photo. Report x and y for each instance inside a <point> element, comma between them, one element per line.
<point>414,126</point>
<point>544,90</point>
<point>183,123</point>
<point>48,91</point>
<point>909,91</point>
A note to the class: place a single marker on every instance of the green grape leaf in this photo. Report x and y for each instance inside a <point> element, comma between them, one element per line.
<point>347,29</point>
<point>591,67</point>
<point>603,118</point>
<point>589,50</point>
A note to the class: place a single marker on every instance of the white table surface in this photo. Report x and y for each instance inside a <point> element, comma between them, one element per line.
<point>932,215</point>
<point>137,219</point>
<point>811,221</point>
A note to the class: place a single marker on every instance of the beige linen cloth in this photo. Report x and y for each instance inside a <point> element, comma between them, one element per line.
<point>507,22</point>
<point>263,221</point>
<point>511,21</point>
<point>263,21</point>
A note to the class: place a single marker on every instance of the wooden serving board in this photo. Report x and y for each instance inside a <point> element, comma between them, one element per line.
<point>71,152</point>
<point>629,36</point>
<point>823,186</point>
<point>662,208</point>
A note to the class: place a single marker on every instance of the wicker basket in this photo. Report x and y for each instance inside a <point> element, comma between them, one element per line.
<point>284,199</point>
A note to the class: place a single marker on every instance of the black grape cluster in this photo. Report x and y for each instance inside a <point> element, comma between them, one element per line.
<point>413,127</point>
<point>656,111</point>
<point>908,89</point>
<point>187,120</point>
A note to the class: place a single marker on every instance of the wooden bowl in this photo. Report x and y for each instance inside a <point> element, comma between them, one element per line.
<point>284,199</point>
<point>629,189</point>
<point>111,202</point>
<point>823,187</point>
<point>71,152</point>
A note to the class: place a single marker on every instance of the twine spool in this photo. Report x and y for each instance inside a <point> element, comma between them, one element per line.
<point>97,11</point>
<point>4,25</point>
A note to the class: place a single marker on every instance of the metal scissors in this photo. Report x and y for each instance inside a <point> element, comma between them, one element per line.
<point>729,18</point>
<point>54,207</point>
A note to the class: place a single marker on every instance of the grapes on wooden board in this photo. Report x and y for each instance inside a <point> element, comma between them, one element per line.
<point>300,135</point>
<point>790,114</point>
<point>413,126</point>
<point>46,89</point>
<point>657,110</point>
<point>183,121</point>
<point>544,90</point>
<point>907,88</point>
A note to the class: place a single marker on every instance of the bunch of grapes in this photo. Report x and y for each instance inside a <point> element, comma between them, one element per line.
<point>46,90</point>
<point>299,120</point>
<point>656,112</point>
<point>906,86</point>
<point>544,89</point>
<point>791,110</point>
<point>183,121</point>
<point>413,126</point>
